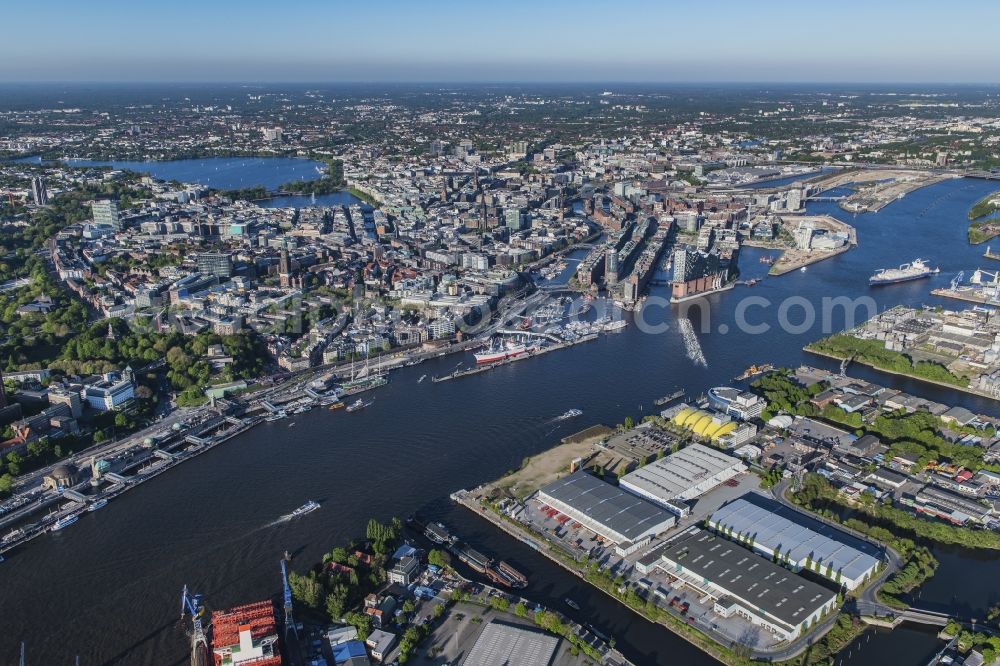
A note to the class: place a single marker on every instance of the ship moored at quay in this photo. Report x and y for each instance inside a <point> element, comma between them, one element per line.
<point>500,572</point>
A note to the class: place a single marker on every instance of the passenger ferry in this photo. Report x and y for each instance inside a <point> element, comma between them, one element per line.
<point>99,504</point>
<point>308,507</point>
<point>65,521</point>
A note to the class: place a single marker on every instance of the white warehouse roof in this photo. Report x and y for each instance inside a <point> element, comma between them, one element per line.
<point>774,526</point>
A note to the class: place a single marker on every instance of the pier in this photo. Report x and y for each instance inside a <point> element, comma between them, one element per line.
<point>968,294</point>
<point>531,354</point>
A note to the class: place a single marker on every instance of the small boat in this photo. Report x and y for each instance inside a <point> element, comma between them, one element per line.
<point>572,604</point>
<point>570,414</point>
<point>357,405</point>
<point>422,378</point>
<point>754,370</point>
<point>802,270</point>
<point>99,504</point>
<point>337,405</point>
<point>292,424</point>
<point>308,507</point>
<point>63,522</point>
<point>438,533</point>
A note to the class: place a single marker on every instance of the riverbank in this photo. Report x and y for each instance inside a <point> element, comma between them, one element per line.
<point>841,357</point>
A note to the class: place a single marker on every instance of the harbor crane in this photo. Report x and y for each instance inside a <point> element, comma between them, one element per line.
<point>984,277</point>
<point>289,620</point>
<point>957,280</point>
<point>191,605</point>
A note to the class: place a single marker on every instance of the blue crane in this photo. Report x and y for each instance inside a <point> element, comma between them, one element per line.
<point>289,620</point>
<point>191,605</point>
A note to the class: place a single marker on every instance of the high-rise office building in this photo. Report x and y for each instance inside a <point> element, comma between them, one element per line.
<point>514,219</point>
<point>105,211</point>
<point>219,264</point>
<point>38,192</point>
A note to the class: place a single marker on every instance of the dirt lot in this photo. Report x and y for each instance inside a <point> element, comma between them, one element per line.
<point>549,465</point>
<point>878,188</point>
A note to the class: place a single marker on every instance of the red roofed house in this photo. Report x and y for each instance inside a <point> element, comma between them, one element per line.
<point>246,635</point>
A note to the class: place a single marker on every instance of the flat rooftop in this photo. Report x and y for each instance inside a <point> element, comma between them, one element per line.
<point>677,473</point>
<point>774,525</point>
<point>748,577</point>
<point>608,505</point>
<point>503,644</point>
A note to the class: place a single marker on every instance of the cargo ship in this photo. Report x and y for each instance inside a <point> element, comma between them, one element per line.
<point>499,353</point>
<point>914,270</point>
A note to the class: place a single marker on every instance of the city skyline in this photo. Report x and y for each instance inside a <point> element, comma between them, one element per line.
<point>637,41</point>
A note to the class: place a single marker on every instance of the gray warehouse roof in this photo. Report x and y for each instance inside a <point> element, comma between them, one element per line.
<point>773,525</point>
<point>503,644</point>
<point>676,474</point>
<point>748,576</point>
<point>608,505</point>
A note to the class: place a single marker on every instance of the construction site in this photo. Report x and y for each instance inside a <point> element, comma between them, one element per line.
<point>876,188</point>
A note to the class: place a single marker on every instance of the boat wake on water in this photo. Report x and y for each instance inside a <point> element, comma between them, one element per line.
<point>691,343</point>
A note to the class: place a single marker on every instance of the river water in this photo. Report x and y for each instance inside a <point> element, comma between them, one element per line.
<point>108,588</point>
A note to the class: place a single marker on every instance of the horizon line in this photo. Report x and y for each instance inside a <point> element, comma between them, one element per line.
<point>596,82</point>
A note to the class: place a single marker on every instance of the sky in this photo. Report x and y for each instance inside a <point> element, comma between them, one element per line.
<point>511,40</point>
